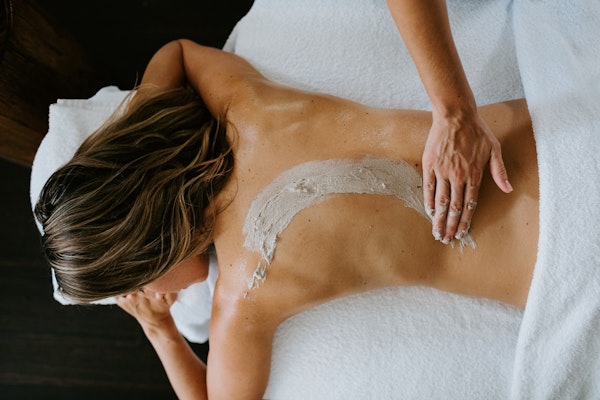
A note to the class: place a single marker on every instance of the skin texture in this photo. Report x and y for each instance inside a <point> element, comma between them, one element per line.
<point>373,241</point>
<point>460,142</point>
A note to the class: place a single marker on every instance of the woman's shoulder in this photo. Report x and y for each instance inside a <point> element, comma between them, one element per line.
<point>238,304</point>
<point>240,348</point>
<point>259,99</point>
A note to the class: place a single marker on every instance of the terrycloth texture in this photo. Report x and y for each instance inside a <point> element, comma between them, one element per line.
<point>352,48</point>
<point>558,351</point>
<point>392,343</point>
<point>396,344</point>
<point>70,123</point>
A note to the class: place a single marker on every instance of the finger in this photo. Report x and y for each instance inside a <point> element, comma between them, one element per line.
<point>125,297</point>
<point>454,211</point>
<point>170,298</point>
<point>442,199</point>
<point>429,191</point>
<point>469,207</point>
<point>125,302</point>
<point>498,170</point>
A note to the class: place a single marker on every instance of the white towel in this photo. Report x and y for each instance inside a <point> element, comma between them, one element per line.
<point>70,122</point>
<point>351,48</point>
<point>558,351</point>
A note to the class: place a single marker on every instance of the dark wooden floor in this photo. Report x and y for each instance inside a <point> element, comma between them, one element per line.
<point>49,351</point>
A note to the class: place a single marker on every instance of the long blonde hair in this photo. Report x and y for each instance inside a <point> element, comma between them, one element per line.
<point>135,199</point>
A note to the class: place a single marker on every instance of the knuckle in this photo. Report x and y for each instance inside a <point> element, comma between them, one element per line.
<point>476,175</point>
<point>455,209</point>
<point>495,144</point>
<point>471,204</point>
<point>428,162</point>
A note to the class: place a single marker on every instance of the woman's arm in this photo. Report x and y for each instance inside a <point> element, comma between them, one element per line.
<point>460,143</point>
<point>240,347</point>
<point>186,372</point>
<point>241,342</point>
<point>164,71</point>
<point>216,75</point>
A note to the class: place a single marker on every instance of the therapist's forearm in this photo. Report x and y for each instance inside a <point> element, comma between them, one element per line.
<point>425,29</point>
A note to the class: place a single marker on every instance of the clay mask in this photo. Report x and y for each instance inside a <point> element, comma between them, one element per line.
<point>312,182</point>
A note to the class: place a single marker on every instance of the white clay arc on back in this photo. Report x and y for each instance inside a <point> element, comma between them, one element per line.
<point>310,183</point>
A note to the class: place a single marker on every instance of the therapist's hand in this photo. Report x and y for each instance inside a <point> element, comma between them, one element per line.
<point>458,149</point>
<point>460,144</point>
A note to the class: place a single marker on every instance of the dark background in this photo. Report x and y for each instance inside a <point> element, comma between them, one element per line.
<point>49,351</point>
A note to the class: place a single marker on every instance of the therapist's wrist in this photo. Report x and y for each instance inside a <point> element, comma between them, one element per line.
<point>457,107</point>
<point>451,94</point>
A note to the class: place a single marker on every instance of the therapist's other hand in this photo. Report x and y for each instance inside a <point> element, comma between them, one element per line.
<point>457,152</point>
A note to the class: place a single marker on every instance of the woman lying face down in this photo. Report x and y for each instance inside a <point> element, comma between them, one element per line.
<point>305,197</point>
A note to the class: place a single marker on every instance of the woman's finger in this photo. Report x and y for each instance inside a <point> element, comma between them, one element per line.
<point>170,298</point>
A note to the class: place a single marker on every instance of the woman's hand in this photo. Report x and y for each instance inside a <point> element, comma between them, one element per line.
<point>186,372</point>
<point>150,309</point>
<point>457,151</point>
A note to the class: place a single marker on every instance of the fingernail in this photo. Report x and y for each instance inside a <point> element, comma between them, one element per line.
<point>446,241</point>
<point>459,235</point>
<point>510,188</point>
<point>437,235</point>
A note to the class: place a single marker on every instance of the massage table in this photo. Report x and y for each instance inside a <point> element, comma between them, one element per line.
<point>408,343</point>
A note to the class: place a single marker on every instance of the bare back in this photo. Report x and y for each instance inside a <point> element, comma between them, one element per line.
<point>350,243</point>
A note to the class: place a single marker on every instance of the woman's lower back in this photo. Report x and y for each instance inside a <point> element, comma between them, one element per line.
<point>355,242</point>
<point>378,241</point>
